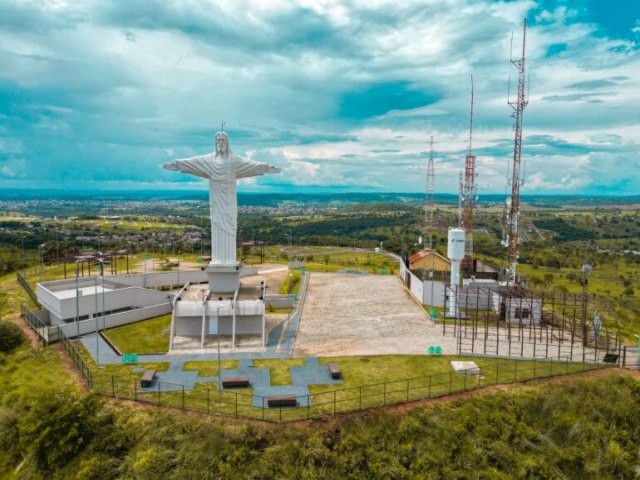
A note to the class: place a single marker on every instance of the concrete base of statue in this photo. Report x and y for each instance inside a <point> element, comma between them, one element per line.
<point>223,278</point>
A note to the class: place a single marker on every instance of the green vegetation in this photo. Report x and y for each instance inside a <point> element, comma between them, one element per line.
<point>147,336</point>
<point>291,283</point>
<point>209,368</point>
<point>11,337</point>
<point>279,368</point>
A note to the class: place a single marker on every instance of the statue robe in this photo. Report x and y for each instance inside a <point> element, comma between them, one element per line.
<point>222,174</point>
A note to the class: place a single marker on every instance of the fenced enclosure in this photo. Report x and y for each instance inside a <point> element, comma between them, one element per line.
<point>243,403</point>
<point>517,323</point>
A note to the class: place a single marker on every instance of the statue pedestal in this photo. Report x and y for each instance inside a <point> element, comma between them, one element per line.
<point>223,278</point>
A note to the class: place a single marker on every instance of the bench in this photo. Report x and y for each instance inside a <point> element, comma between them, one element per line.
<point>282,401</point>
<point>334,370</point>
<point>610,358</point>
<point>241,381</point>
<point>147,378</point>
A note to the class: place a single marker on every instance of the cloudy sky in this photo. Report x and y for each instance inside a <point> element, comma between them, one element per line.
<point>343,96</point>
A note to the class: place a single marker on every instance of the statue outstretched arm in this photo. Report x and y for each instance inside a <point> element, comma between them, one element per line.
<point>193,165</point>
<point>249,168</point>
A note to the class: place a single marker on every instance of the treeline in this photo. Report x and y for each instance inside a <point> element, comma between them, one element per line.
<point>583,430</point>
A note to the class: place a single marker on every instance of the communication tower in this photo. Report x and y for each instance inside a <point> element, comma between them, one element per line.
<point>468,194</point>
<point>512,217</point>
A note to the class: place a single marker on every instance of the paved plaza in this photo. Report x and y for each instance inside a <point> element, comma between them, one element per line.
<point>351,314</point>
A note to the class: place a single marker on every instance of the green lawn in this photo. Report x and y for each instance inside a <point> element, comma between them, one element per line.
<point>279,368</point>
<point>147,336</point>
<point>209,368</point>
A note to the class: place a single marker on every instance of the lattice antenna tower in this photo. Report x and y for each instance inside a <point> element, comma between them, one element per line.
<point>513,202</point>
<point>469,189</point>
<point>429,207</point>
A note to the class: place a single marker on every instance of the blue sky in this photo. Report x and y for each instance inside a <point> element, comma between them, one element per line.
<point>343,96</point>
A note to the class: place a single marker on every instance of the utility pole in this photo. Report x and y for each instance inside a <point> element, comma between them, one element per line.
<point>513,202</point>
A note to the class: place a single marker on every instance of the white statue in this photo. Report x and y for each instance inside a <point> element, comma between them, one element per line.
<point>222,170</point>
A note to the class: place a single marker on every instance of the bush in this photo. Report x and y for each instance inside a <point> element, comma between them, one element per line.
<point>10,336</point>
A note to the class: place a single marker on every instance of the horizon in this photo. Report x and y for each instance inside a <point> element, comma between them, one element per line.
<point>342,97</point>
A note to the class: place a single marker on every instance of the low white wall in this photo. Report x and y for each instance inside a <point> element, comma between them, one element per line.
<point>115,320</point>
<point>280,301</point>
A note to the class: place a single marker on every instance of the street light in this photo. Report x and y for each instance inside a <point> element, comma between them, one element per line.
<point>219,362</point>
<point>77,303</point>
<point>290,279</point>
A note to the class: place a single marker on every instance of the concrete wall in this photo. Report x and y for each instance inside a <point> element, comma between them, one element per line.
<point>280,301</point>
<point>438,293</point>
<point>115,320</point>
<point>128,297</point>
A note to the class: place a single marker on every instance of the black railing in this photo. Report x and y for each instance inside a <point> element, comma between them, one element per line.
<point>245,405</point>
<point>27,288</point>
<point>37,325</point>
<point>76,358</point>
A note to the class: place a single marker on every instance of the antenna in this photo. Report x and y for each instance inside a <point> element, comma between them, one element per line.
<point>222,124</point>
<point>430,206</point>
<point>468,194</point>
<point>512,214</point>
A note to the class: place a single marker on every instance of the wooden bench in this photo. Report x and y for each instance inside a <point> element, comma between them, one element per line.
<point>241,381</point>
<point>147,378</point>
<point>282,401</point>
<point>334,370</point>
<point>610,358</point>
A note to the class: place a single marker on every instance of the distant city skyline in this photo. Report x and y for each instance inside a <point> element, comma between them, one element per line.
<point>98,94</point>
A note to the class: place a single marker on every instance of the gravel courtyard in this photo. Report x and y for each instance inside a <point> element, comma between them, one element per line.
<point>350,314</point>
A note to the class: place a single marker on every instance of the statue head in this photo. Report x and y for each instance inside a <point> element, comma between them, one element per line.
<point>222,145</point>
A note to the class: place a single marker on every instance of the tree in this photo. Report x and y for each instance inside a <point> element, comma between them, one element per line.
<point>10,336</point>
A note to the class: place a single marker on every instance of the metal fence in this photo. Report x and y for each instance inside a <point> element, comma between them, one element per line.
<point>243,404</point>
<point>76,358</point>
<point>27,288</point>
<point>43,330</point>
<point>631,357</point>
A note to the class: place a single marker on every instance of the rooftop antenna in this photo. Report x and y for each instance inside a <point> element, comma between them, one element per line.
<point>222,124</point>
<point>468,194</point>
<point>512,217</point>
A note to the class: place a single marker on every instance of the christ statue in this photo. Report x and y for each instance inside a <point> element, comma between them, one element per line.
<point>222,168</point>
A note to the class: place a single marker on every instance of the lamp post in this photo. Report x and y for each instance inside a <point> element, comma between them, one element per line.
<point>219,363</point>
<point>290,279</point>
<point>77,303</point>
<point>96,319</point>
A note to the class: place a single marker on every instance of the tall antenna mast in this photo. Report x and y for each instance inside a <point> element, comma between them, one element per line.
<point>429,210</point>
<point>513,202</point>
<point>468,194</point>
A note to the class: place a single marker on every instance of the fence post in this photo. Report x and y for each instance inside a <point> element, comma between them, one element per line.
<point>208,402</point>
<point>308,406</point>
<point>384,394</point>
<point>624,357</point>
<point>135,392</point>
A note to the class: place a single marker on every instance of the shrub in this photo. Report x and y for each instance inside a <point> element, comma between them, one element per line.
<point>10,336</point>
